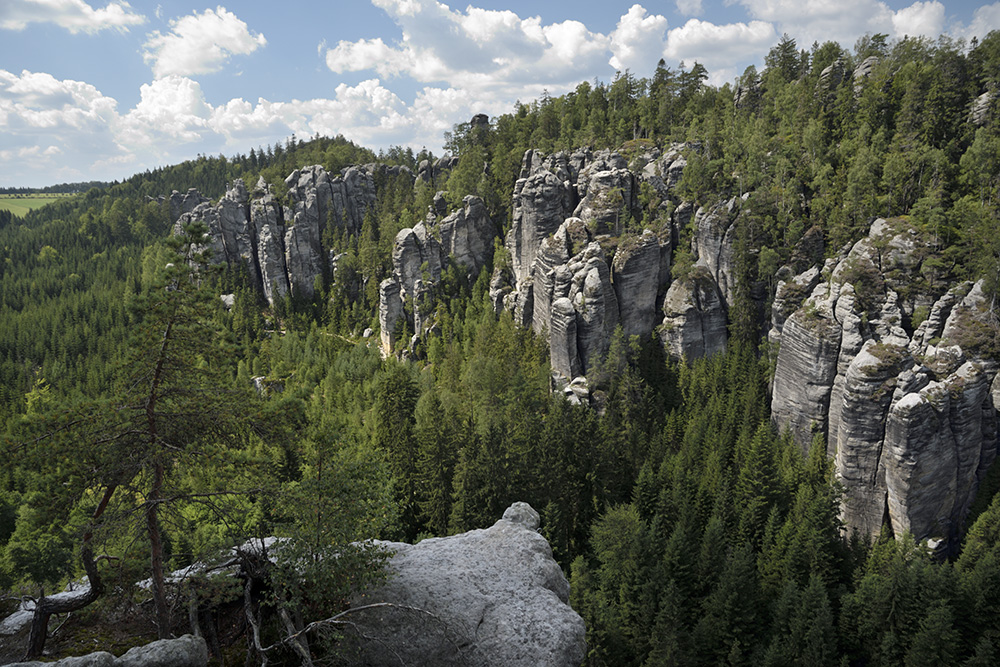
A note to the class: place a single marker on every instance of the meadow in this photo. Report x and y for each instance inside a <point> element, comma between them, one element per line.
<point>21,204</point>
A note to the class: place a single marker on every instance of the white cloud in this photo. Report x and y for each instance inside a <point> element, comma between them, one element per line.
<point>37,101</point>
<point>637,42</point>
<point>570,46</point>
<point>68,130</point>
<point>200,44</point>
<point>921,19</point>
<point>73,15</point>
<point>809,21</point>
<point>719,47</point>
<point>689,7</point>
<point>452,63</point>
<point>49,125</point>
<point>476,50</point>
<point>173,106</point>
<point>367,54</point>
<point>985,19</point>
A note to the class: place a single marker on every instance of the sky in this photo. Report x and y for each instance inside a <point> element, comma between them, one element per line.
<point>98,90</point>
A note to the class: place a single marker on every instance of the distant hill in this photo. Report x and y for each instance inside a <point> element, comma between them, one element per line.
<point>62,188</point>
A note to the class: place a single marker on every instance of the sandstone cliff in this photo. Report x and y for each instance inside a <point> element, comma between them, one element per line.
<point>280,247</point>
<point>861,336</point>
<point>463,238</point>
<point>584,259</point>
<point>909,418</point>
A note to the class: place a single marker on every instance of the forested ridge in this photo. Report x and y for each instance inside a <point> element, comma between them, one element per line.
<point>693,533</point>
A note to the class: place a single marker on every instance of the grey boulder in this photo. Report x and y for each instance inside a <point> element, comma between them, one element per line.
<point>489,597</point>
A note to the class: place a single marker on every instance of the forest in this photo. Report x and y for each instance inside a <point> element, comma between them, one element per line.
<point>692,531</point>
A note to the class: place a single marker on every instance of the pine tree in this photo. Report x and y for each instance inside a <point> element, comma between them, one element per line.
<point>146,447</point>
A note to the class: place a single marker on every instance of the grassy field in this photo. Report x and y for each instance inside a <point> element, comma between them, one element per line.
<point>21,204</point>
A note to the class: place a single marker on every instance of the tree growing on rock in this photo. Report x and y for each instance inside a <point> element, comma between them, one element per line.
<point>166,436</point>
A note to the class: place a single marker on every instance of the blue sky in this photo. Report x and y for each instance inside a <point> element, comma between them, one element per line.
<point>98,90</point>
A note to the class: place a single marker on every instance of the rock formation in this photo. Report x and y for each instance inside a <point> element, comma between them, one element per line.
<point>487,597</point>
<point>909,419</point>
<point>580,265</point>
<point>184,203</point>
<point>831,76</point>
<point>281,248</point>
<point>421,253</point>
<point>430,172</point>
<point>980,112</point>
<point>493,596</point>
<point>862,72</point>
<point>640,267</point>
<point>713,242</point>
<point>267,223</point>
<point>694,317</point>
<point>186,651</point>
<point>540,206</point>
<point>607,193</point>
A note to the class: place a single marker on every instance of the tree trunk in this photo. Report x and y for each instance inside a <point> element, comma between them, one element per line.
<point>45,607</point>
<point>156,554</point>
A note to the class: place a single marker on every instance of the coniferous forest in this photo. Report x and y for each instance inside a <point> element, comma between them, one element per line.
<point>692,531</point>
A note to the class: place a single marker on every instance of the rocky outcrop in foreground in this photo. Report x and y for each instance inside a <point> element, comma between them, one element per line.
<point>491,597</point>
<point>186,651</point>
<point>486,598</point>
<point>910,420</point>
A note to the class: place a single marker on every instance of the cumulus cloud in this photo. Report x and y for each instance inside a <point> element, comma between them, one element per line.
<point>689,7</point>
<point>173,106</point>
<point>73,15</point>
<point>637,42</point>
<point>809,21</point>
<point>200,44</point>
<point>36,101</point>
<point>570,42</point>
<point>63,130</point>
<point>921,19</point>
<point>51,124</point>
<point>985,19</point>
<point>477,50</point>
<point>367,54</point>
<point>719,47</point>
<point>455,63</point>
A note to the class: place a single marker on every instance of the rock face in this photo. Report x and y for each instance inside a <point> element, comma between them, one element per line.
<point>979,114</point>
<point>607,192</point>
<point>862,72</point>
<point>910,420</point>
<point>184,203</point>
<point>539,208</point>
<point>186,651</point>
<point>488,597</point>
<point>574,301</point>
<point>231,238</point>
<point>580,265</point>
<point>831,76</point>
<point>267,222</point>
<point>636,270</point>
<point>713,241</point>
<point>310,194</point>
<point>421,253</point>
<point>694,318</point>
<point>430,172</point>
<point>281,248</point>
